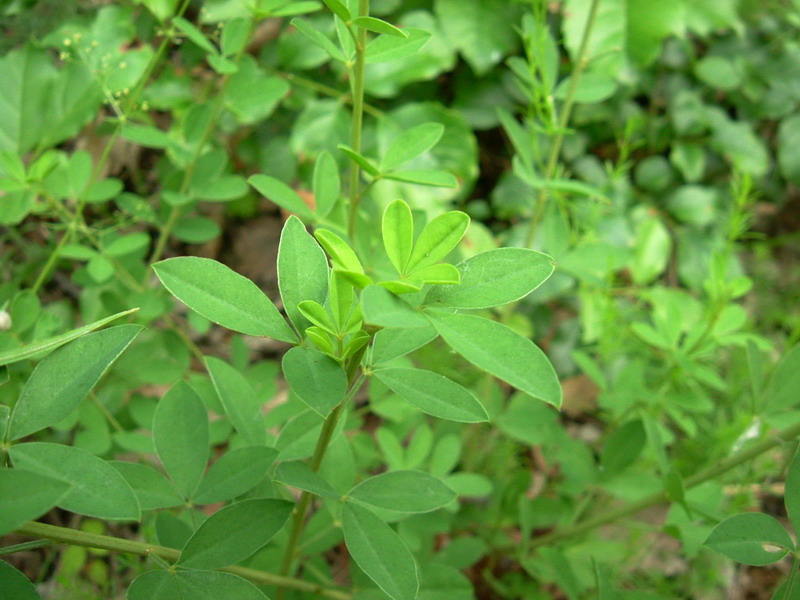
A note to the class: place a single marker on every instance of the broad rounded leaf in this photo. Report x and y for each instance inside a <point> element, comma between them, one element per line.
<point>494,278</point>
<point>403,491</point>
<point>302,270</point>
<point>502,352</point>
<point>751,538</point>
<point>98,490</point>
<point>380,553</point>
<point>234,532</point>
<point>437,239</point>
<point>223,296</point>
<point>316,378</point>
<point>239,400</point>
<point>434,394</point>
<point>235,473</point>
<point>26,495</point>
<point>14,585</point>
<point>63,378</point>
<point>180,434</point>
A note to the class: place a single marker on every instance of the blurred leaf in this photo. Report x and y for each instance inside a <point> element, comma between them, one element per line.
<point>751,538</point>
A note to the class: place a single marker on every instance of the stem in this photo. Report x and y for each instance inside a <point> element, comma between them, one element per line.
<point>627,510</point>
<point>563,119</point>
<point>357,79</point>
<point>787,594</point>
<point>64,535</point>
<point>34,545</point>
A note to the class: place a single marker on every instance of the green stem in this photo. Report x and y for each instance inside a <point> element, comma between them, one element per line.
<point>53,258</point>
<point>563,120</point>
<point>787,594</point>
<point>654,499</point>
<point>357,82</point>
<point>73,537</point>
<point>34,545</point>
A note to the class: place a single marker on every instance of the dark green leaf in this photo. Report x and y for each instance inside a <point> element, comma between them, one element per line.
<point>316,378</point>
<point>381,307</point>
<point>152,489</point>
<point>751,538</point>
<point>26,495</point>
<point>239,400</point>
<point>235,473</point>
<point>403,491</point>
<point>14,585</point>
<point>299,475</point>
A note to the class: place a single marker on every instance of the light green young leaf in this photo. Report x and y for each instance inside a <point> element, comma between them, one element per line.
<point>403,491</point>
<point>341,298</point>
<point>180,434</point>
<point>394,343</point>
<point>339,9</point>
<point>299,475</point>
<point>385,48</point>
<point>402,286</point>
<point>316,378</point>
<point>502,352</point>
<point>411,143</point>
<point>63,379</point>
<point>302,270</point>
<point>317,314</point>
<point>239,400</point>
<point>26,495</point>
<point>438,239</point>
<point>236,472</point>
<point>431,177</point>
<point>398,233</point>
<point>31,350</point>
<point>223,296</point>
<point>341,254</point>
<point>98,490</point>
<point>380,553</point>
<point>234,36</point>
<point>326,184</point>
<point>381,307</point>
<point>751,538</point>
<point>282,195</point>
<point>318,38</point>
<point>433,394</point>
<point>494,278</point>
<point>782,390</point>
<point>378,26</point>
<point>14,585</point>
<point>439,274</point>
<point>320,338</point>
<point>194,34</point>
<point>361,160</point>
<point>152,489</point>
<point>234,532</point>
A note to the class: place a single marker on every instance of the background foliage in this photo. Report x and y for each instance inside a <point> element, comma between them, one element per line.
<point>655,160</point>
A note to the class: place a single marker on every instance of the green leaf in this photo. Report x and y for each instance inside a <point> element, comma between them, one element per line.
<point>63,379</point>
<point>235,35</point>
<point>788,142</point>
<point>622,447</point>
<point>235,473</point>
<point>145,135</point>
<point>282,195</point>
<point>128,244</point>
<point>502,352</point>
<point>326,184</point>
<point>27,76</point>
<point>341,254</point>
<point>26,495</point>
<point>380,553</point>
<point>751,538</point>
<point>299,475</point>
<point>194,34</point>
<point>316,378</point>
<point>652,251</point>
<point>359,159</point>
<point>378,26</point>
<point>439,274</point>
<point>234,532</point>
<point>180,434</point>
<point>302,270</point>
<point>339,9</point>
<point>223,296</point>
<point>98,490</point>
<point>398,233</point>
<point>782,391</point>
<point>319,38</point>
<point>394,343</point>
<point>14,585</point>
<point>438,239</point>
<point>381,307</point>
<point>317,314</point>
<point>411,143</point>
<point>152,489</point>
<point>433,394</point>
<point>494,278</point>
<point>31,350</point>
<point>239,400</point>
<point>432,177</point>
<point>192,585</point>
<point>385,48</point>
<point>403,491</point>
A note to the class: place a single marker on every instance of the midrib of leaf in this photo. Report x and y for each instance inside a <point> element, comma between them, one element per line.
<point>376,552</point>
